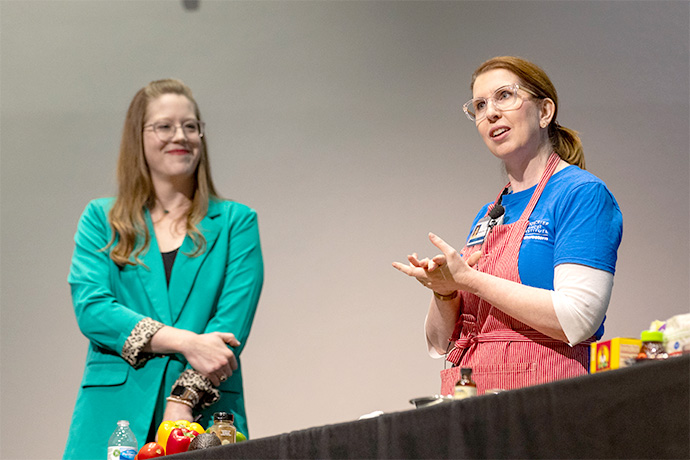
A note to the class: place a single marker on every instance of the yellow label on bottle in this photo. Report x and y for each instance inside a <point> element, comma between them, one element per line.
<point>462,392</point>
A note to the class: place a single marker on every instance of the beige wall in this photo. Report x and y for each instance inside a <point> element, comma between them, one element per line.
<point>341,123</point>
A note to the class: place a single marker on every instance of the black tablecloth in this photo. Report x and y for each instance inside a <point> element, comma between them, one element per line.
<point>641,411</point>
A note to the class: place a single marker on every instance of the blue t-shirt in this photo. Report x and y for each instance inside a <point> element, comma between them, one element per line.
<point>576,220</point>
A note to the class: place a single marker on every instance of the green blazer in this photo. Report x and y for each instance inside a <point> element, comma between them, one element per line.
<point>215,291</point>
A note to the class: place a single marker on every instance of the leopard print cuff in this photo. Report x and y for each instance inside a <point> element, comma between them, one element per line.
<point>132,350</point>
<point>193,379</point>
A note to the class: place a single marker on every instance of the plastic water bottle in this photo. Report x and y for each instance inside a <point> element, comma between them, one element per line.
<point>122,444</point>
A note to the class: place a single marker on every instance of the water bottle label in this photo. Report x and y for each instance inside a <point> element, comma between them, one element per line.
<point>128,454</point>
<point>121,453</point>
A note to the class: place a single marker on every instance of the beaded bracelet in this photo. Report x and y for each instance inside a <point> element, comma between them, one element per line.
<point>180,400</point>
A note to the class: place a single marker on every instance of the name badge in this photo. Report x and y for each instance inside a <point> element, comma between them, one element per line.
<point>483,227</point>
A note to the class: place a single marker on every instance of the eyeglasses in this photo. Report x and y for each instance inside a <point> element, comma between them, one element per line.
<point>504,98</point>
<point>165,131</point>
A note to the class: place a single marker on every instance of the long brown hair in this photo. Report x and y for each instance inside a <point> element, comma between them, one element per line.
<point>135,188</point>
<point>566,142</point>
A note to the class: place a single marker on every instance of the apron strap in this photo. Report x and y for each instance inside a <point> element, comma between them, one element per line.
<point>551,165</point>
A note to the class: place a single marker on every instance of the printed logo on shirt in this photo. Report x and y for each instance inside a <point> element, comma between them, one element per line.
<point>537,230</point>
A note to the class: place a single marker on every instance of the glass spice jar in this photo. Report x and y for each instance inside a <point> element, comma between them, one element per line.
<point>224,428</point>
<point>652,346</point>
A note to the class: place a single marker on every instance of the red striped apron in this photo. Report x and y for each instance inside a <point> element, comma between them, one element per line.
<point>502,351</point>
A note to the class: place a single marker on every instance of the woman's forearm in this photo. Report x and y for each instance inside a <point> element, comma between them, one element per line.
<point>209,354</point>
<point>440,322</point>
<point>169,340</point>
<point>449,271</point>
<point>530,305</point>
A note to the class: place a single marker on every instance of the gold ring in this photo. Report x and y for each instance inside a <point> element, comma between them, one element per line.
<point>223,378</point>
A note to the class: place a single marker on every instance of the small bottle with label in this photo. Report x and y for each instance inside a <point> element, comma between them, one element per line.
<point>465,387</point>
<point>122,444</point>
<point>652,346</point>
<point>224,428</point>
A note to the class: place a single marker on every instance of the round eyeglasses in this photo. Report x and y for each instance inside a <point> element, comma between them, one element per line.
<point>165,131</point>
<point>504,98</point>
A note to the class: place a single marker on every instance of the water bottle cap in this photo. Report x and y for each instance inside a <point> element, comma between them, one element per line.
<point>123,423</point>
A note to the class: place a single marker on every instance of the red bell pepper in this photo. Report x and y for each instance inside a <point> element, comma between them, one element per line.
<point>178,441</point>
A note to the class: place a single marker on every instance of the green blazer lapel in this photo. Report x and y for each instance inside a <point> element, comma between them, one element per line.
<point>152,275</point>
<point>186,268</point>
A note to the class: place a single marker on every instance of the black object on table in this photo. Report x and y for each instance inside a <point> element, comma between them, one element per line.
<point>642,411</point>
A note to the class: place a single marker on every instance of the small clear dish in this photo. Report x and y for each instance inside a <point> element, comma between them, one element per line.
<point>430,400</point>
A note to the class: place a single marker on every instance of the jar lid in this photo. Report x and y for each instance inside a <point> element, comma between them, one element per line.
<point>218,416</point>
<point>652,336</point>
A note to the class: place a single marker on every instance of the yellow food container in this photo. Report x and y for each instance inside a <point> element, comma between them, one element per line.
<point>613,354</point>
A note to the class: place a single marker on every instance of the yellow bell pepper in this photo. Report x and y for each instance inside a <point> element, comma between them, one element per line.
<point>196,427</point>
<point>167,426</point>
<point>183,423</point>
<point>164,430</point>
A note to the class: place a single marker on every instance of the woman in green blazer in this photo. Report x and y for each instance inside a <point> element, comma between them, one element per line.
<point>165,281</point>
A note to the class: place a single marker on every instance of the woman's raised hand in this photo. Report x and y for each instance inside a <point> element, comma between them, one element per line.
<point>444,273</point>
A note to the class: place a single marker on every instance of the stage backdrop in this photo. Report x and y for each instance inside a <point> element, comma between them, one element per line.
<point>341,124</point>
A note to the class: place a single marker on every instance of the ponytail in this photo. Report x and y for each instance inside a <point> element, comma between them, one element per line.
<point>566,143</point>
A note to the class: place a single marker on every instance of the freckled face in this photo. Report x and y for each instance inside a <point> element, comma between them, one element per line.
<point>179,157</point>
<point>511,132</point>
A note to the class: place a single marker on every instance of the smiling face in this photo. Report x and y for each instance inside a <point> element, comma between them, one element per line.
<point>517,134</point>
<point>179,157</point>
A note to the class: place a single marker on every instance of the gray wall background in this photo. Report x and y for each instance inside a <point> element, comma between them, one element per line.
<point>341,123</point>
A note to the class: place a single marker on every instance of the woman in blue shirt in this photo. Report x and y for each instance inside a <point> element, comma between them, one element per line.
<point>520,303</point>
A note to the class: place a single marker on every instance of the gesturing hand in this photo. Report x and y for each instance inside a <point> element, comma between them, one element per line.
<point>445,273</point>
<point>209,354</point>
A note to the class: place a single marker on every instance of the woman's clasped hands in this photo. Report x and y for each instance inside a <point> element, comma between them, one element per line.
<point>209,354</point>
<point>444,273</point>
